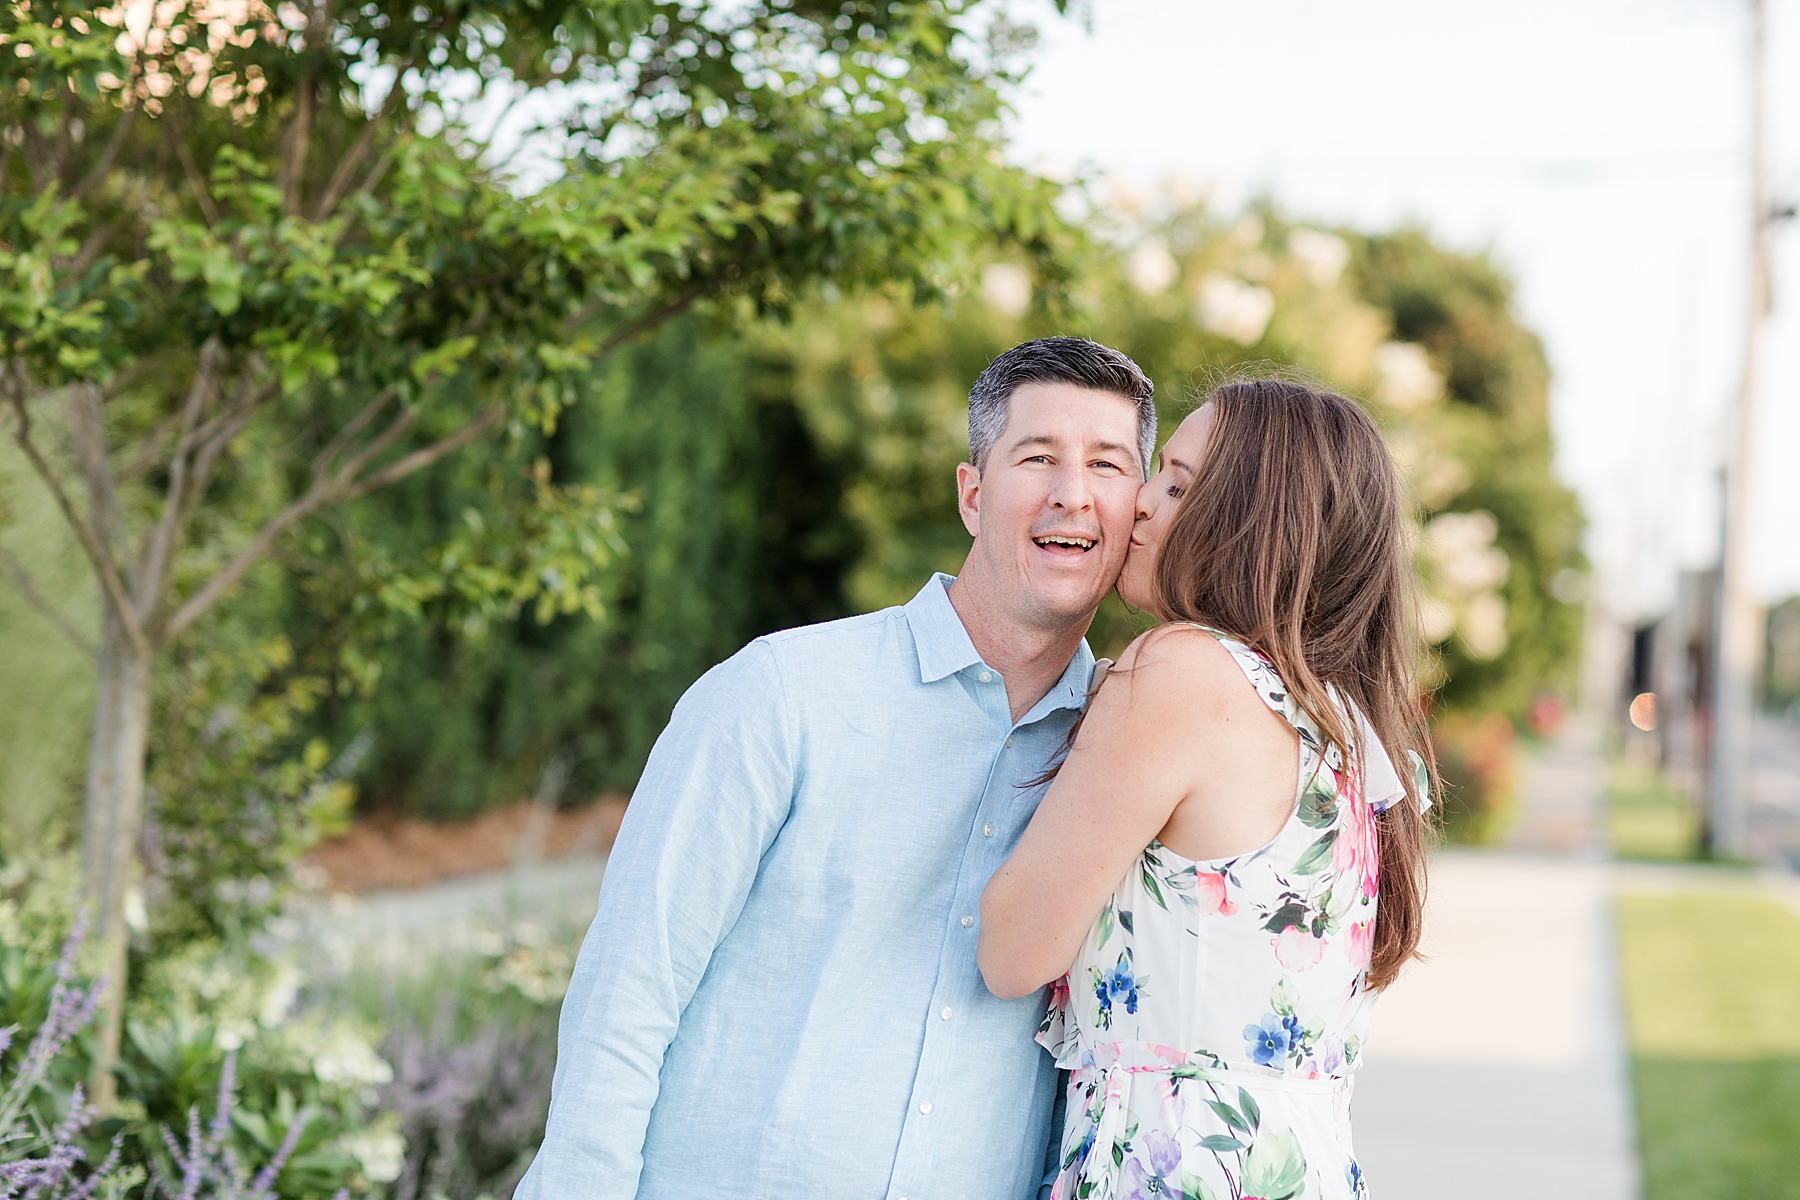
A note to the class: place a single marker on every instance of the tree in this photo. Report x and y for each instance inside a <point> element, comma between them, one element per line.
<point>877,387</point>
<point>261,261</point>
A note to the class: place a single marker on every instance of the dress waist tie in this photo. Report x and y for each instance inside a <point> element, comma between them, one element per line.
<point>1112,1064</point>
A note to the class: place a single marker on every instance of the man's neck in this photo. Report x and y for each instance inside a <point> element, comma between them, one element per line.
<point>1029,658</point>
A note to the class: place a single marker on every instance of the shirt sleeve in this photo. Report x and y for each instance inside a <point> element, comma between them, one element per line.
<point>716,790</point>
<point>1059,1112</point>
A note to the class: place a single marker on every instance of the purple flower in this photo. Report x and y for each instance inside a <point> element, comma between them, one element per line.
<point>1162,1177</point>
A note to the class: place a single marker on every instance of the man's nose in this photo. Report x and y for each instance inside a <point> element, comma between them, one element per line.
<point>1069,491</point>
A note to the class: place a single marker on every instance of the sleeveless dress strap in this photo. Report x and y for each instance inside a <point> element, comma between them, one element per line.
<point>1381,783</point>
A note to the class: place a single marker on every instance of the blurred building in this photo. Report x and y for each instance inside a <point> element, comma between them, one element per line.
<point>1664,700</point>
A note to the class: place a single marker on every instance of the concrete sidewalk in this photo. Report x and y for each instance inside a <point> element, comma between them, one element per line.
<point>1497,1066</point>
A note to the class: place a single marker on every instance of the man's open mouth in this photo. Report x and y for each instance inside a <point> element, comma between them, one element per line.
<point>1073,543</point>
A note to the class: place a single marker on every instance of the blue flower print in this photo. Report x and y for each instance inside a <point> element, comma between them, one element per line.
<point>1160,1175</point>
<point>1121,986</point>
<point>1296,1034</point>
<point>1268,1041</point>
<point>1354,1177</point>
<point>1078,1156</point>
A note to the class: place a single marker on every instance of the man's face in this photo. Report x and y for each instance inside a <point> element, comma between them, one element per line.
<point>1052,512</point>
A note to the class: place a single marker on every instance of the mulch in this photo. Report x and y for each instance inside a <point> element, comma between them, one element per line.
<point>386,851</point>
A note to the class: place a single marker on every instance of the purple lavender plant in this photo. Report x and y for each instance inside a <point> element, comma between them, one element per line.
<point>51,1177</point>
<point>209,1168</point>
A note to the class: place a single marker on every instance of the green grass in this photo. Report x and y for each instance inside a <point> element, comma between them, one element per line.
<point>1647,818</point>
<point>46,705</point>
<point>1712,1000</point>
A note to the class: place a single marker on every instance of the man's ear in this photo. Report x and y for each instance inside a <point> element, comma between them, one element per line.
<point>968,497</point>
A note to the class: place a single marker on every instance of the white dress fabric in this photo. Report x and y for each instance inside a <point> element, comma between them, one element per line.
<point>1215,1015</point>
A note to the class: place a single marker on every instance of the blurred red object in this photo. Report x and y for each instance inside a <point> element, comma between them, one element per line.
<point>1544,717</point>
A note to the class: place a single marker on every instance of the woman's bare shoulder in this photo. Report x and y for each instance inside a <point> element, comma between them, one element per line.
<point>1176,662</point>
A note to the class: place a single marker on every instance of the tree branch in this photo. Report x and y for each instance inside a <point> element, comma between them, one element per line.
<point>347,166</point>
<point>87,425</point>
<point>352,429</point>
<point>103,564</point>
<point>21,579</point>
<point>111,153</point>
<point>328,491</point>
<point>208,211</point>
<point>293,167</point>
<point>418,459</point>
<point>643,324</point>
<point>166,538</point>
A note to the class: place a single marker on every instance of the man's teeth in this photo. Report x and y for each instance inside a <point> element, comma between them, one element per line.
<point>1079,543</point>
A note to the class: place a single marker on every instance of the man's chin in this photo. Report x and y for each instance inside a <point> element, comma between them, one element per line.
<point>1061,607</point>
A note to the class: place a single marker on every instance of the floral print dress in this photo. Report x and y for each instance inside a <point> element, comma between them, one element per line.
<point>1216,1013</point>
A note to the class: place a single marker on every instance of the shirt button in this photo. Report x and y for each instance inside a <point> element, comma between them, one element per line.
<point>987,831</point>
<point>1009,743</point>
<point>968,920</point>
<point>925,1108</point>
<point>985,677</point>
<point>944,1015</point>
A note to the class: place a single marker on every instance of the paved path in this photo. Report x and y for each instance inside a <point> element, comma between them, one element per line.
<point>1775,793</point>
<point>1497,1066</point>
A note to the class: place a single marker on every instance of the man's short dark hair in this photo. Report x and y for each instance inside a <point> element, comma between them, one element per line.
<point>1071,360</point>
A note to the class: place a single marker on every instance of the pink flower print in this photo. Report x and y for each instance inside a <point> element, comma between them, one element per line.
<point>1361,944</point>
<point>1353,853</point>
<point>1297,949</point>
<point>1209,889</point>
<point>1059,993</point>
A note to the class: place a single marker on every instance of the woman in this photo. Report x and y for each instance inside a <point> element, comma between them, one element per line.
<point>1232,773</point>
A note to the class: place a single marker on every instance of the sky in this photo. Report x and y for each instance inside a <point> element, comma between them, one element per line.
<point>1598,149</point>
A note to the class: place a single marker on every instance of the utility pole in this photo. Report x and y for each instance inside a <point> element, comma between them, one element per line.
<point>1739,646</point>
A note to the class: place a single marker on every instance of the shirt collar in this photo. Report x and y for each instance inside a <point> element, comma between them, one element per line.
<point>943,644</point>
<point>944,649</point>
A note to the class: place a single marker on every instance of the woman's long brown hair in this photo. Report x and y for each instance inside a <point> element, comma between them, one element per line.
<point>1290,538</point>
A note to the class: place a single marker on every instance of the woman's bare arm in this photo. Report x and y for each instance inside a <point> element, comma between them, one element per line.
<point>1174,710</point>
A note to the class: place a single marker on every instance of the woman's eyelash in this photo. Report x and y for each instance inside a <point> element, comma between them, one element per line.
<point>1177,492</point>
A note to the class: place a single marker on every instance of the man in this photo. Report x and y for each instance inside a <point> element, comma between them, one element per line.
<point>778,996</point>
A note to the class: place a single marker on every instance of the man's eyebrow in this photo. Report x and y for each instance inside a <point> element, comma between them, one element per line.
<point>1116,448</point>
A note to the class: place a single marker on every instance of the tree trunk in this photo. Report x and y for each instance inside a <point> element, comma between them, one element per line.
<point>111,817</point>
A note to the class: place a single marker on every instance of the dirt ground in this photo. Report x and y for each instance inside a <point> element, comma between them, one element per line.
<point>385,852</point>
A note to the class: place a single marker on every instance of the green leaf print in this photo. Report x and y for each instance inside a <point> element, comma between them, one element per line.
<point>1319,807</point>
<point>1252,1113</point>
<point>1103,928</point>
<point>1281,997</point>
<point>1317,855</point>
<point>1291,915</point>
<point>1194,1188</point>
<point>1276,1168</point>
<point>1220,1143</point>
<point>1335,907</point>
<point>1151,887</point>
<point>1125,920</point>
<point>1229,1115</point>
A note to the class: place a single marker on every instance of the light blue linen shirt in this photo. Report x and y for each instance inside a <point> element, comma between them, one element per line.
<point>778,996</point>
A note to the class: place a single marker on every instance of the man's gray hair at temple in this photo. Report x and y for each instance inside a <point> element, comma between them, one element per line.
<point>1070,360</point>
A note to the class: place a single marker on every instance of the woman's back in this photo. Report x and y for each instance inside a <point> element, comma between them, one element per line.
<point>1217,1009</point>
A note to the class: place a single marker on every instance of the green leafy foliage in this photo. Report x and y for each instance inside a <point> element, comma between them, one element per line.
<point>263,262</point>
<point>872,388</point>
